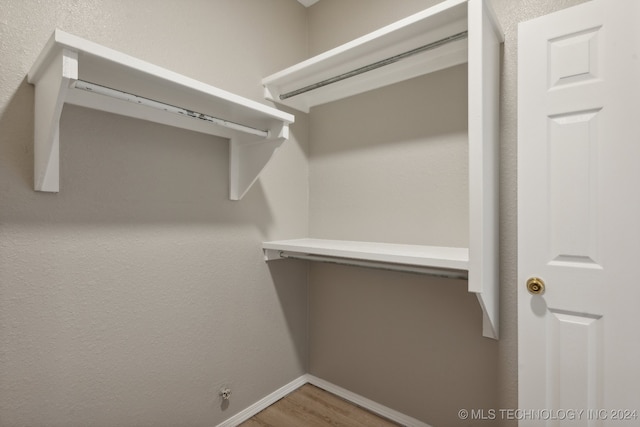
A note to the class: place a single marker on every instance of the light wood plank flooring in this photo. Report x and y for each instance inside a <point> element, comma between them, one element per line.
<point>310,406</point>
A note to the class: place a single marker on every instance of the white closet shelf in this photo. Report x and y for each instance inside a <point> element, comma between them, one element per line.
<point>77,71</point>
<point>434,260</point>
<point>450,33</point>
<point>422,43</point>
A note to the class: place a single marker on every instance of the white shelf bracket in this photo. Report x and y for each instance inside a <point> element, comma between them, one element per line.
<point>272,254</point>
<point>52,85</point>
<point>485,38</point>
<point>249,154</point>
<point>489,305</point>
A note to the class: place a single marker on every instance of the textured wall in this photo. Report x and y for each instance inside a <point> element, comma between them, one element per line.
<point>134,294</point>
<point>408,342</point>
<point>391,165</point>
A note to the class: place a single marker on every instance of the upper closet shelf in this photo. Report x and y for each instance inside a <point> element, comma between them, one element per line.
<point>428,41</point>
<point>74,70</point>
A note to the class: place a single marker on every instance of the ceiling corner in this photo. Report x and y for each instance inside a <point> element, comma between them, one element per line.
<point>307,3</point>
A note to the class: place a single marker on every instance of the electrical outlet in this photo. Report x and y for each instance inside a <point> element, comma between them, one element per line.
<point>225,393</point>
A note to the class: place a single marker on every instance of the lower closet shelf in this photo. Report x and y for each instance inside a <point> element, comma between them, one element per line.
<point>433,260</point>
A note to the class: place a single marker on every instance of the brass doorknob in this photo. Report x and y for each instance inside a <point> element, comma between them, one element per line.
<point>535,286</point>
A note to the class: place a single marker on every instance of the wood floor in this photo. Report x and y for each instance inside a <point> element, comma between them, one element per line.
<point>310,406</point>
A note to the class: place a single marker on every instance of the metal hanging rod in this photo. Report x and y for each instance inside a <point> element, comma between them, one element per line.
<point>450,274</point>
<point>375,65</point>
<point>135,99</point>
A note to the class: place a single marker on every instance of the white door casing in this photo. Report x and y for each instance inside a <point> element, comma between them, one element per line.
<point>579,216</point>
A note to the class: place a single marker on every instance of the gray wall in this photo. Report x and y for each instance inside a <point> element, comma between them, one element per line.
<point>134,294</point>
<point>388,165</point>
<point>131,296</point>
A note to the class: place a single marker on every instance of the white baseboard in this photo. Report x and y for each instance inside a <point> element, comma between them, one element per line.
<point>264,403</point>
<point>365,403</point>
<point>354,398</point>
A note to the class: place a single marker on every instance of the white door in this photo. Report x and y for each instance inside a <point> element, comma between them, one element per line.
<point>579,216</point>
